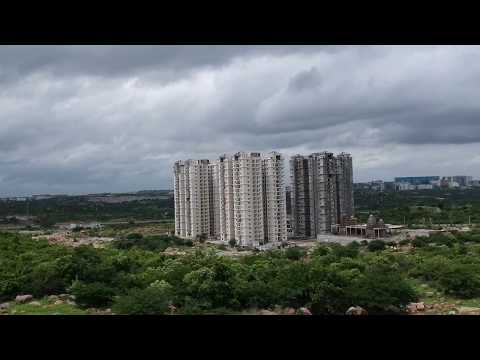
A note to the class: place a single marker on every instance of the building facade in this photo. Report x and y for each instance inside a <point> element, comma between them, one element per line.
<point>321,192</point>
<point>242,197</point>
<point>345,186</point>
<point>193,198</point>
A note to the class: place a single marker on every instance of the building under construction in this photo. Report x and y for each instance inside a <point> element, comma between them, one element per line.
<point>321,192</point>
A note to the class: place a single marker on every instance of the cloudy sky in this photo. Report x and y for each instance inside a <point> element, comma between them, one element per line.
<point>79,119</point>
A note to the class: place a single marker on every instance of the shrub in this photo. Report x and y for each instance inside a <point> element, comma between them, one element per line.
<point>380,287</point>
<point>294,253</point>
<point>320,250</point>
<point>94,294</point>
<point>461,280</point>
<point>154,300</point>
<point>419,242</point>
<point>232,243</point>
<point>354,244</point>
<point>46,278</point>
<point>188,242</point>
<point>376,245</point>
<point>150,243</point>
<point>134,236</point>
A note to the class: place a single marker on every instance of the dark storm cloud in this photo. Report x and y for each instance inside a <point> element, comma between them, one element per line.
<point>114,118</point>
<point>114,60</point>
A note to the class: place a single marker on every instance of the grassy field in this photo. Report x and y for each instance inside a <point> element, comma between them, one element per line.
<point>45,308</point>
<point>144,229</point>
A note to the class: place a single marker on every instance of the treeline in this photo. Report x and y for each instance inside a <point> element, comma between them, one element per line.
<point>134,276</point>
<point>420,207</point>
<point>62,209</point>
<point>136,281</point>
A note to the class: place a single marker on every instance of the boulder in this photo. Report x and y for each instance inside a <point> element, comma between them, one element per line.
<point>467,310</point>
<point>277,309</point>
<point>23,298</point>
<point>393,309</point>
<point>64,296</point>
<point>356,310</point>
<point>266,312</point>
<point>305,311</point>
<point>35,303</point>
<point>59,302</point>
<point>415,307</point>
<point>53,298</point>
<point>290,311</point>
<point>4,307</point>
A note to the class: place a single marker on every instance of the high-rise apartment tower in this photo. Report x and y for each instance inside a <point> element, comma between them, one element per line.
<point>242,197</point>
<point>321,192</point>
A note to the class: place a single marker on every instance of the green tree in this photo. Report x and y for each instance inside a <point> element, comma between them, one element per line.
<point>153,300</point>
<point>376,245</point>
<point>94,294</point>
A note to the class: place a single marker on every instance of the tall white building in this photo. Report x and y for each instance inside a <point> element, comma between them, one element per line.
<point>193,198</point>
<point>239,197</point>
<point>321,192</point>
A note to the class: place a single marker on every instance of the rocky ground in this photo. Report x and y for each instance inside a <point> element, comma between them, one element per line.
<point>63,304</point>
<point>68,238</point>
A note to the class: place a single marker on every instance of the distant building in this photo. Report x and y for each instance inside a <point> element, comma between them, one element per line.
<point>375,185</point>
<point>475,183</point>
<point>448,182</point>
<point>463,180</point>
<point>389,185</point>
<point>424,187</point>
<point>403,186</point>
<point>417,180</point>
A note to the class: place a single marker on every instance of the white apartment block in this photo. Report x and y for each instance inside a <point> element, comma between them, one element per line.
<point>275,198</point>
<point>239,197</point>
<point>192,189</point>
<point>321,192</point>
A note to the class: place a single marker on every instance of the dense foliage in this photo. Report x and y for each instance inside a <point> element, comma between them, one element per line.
<point>77,208</point>
<point>136,280</point>
<point>425,207</point>
<point>152,242</point>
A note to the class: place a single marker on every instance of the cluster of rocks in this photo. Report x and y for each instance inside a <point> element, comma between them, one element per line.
<point>285,311</point>
<point>94,311</point>
<point>413,308</point>
<point>356,310</point>
<point>67,239</point>
<point>29,299</point>
<point>441,309</point>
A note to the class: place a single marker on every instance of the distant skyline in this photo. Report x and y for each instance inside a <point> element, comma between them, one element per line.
<point>92,119</point>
